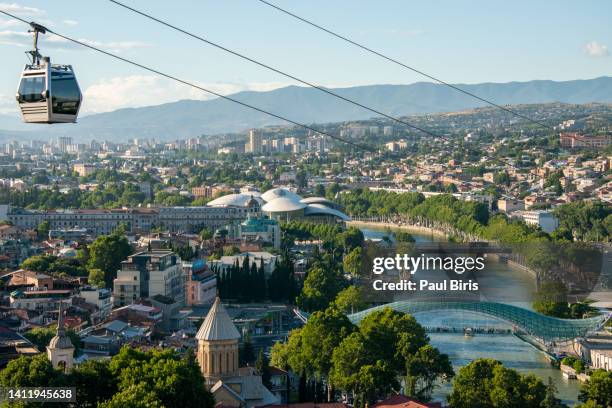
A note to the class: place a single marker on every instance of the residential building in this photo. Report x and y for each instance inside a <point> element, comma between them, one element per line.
<point>146,274</point>
<point>540,218</point>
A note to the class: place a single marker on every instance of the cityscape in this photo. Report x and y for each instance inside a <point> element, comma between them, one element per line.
<point>260,266</point>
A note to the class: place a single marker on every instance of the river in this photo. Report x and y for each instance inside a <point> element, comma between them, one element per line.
<point>504,284</point>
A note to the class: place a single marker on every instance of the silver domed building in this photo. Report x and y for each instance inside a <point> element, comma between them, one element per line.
<point>285,205</point>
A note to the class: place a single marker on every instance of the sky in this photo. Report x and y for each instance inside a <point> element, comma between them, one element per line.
<point>459,41</point>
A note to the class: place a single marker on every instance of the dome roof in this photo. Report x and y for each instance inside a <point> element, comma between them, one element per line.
<point>61,341</point>
<point>217,325</point>
<point>283,204</point>
<point>318,200</point>
<point>280,192</point>
<point>320,209</point>
<point>237,200</point>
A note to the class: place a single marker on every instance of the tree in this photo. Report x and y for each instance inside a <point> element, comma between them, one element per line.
<point>423,369</point>
<point>173,380</point>
<point>94,382</point>
<point>96,277</point>
<point>206,234</point>
<point>350,300</point>
<point>41,336</point>
<point>42,231</point>
<point>353,370</point>
<point>262,366</point>
<point>134,396</point>
<point>106,253</point>
<point>597,389</point>
<point>320,287</point>
<point>35,371</point>
<point>352,262</point>
<point>486,383</point>
<point>246,352</point>
<point>551,400</point>
<point>551,300</point>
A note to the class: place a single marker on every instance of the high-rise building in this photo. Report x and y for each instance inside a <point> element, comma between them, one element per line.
<point>63,142</point>
<point>254,144</point>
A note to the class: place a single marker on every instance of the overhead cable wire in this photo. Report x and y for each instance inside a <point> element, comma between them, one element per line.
<point>191,84</point>
<point>276,70</point>
<point>406,66</point>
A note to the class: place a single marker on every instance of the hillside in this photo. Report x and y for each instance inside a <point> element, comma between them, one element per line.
<point>190,118</point>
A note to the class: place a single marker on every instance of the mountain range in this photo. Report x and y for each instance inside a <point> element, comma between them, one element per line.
<point>190,118</point>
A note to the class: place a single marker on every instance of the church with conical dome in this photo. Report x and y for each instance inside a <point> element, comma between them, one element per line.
<point>217,355</point>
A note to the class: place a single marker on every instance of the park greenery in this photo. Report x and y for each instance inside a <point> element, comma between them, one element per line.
<point>98,261</point>
<point>596,392</point>
<point>582,220</point>
<point>246,281</point>
<point>368,360</point>
<point>486,383</point>
<point>133,378</point>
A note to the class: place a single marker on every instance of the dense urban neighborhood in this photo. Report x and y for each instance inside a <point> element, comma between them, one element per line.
<point>231,267</point>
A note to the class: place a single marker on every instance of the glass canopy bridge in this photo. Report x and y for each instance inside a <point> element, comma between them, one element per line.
<point>546,328</point>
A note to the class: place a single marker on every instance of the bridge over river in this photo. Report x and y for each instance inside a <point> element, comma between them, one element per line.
<point>543,327</point>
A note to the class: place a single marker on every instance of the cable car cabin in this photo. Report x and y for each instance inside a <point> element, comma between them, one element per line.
<point>49,93</point>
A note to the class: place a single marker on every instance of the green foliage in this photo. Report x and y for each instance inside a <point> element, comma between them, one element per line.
<point>42,231</point>
<point>486,383</point>
<point>41,336</point>
<point>245,282</point>
<point>363,202</point>
<point>246,353</point>
<point>34,371</point>
<point>597,391</point>
<point>262,365</point>
<point>162,376</point>
<point>321,286</point>
<point>350,300</point>
<point>551,300</point>
<point>55,265</point>
<point>134,396</point>
<point>586,220</point>
<point>352,262</point>
<point>551,400</point>
<point>106,253</point>
<point>96,277</point>
<point>403,236</point>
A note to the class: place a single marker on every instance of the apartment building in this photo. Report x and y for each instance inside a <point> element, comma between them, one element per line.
<point>146,274</point>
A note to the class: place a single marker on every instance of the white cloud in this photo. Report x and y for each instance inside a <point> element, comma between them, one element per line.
<point>595,49</point>
<point>145,90</point>
<point>20,10</point>
<point>70,22</point>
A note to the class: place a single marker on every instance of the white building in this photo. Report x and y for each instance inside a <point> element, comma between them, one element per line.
<point>540,218</point>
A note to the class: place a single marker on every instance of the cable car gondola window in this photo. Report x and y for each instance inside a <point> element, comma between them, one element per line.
<point>32,89</point>
<point>65,94</point>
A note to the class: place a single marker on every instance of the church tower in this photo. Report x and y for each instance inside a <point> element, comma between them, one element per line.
<point>60,350</point>
<point>217,345</point>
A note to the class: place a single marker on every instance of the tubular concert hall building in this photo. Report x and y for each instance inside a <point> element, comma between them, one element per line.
<point>279,203</point>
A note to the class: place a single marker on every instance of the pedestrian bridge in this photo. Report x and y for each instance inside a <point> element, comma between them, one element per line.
<point>535,324</point>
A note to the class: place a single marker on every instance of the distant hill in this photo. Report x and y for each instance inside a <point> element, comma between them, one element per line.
<point>190,118</point>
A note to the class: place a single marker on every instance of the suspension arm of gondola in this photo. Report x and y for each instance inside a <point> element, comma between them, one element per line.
<point>36,29</point>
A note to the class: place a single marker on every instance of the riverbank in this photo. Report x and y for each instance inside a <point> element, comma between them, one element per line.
<point>440,234</point>
<point>415,229</point>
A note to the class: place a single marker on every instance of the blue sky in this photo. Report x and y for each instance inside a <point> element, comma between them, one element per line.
<point>458,41</point>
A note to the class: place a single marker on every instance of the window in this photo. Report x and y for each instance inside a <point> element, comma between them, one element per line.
<point>65,94</point>
<point>31,89</point>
